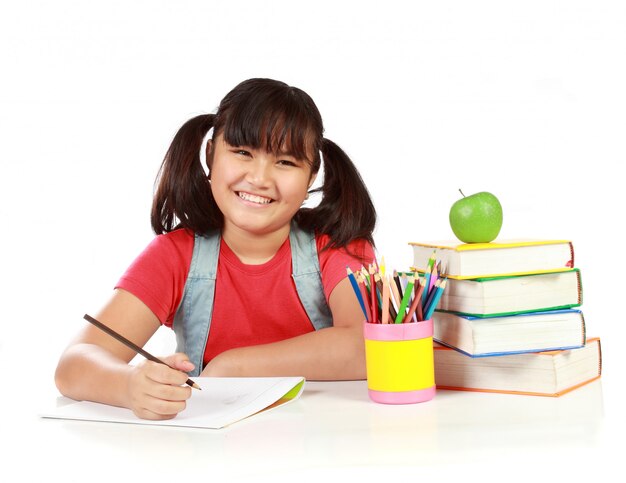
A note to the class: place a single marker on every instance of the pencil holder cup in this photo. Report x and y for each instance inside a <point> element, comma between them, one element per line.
<point>400,363</point>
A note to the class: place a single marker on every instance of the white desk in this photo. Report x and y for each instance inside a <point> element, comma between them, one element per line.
<point>334,431</point>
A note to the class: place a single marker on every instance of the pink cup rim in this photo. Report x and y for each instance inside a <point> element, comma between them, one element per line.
<point>409,331</point>
<point>403,397</point>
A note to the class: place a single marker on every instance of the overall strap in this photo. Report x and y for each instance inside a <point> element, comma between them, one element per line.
<point>192,321</point>
<point>307,277</point>
<point>193,317</point>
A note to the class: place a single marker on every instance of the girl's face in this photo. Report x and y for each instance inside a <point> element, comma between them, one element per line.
<point>256,191</point>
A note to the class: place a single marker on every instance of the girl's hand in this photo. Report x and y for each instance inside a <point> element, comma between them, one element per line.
<point>157,391</point>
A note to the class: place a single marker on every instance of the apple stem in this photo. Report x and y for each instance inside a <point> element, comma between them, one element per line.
<point>461,192</point>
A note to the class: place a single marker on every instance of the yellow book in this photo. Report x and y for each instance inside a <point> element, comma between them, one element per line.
<point>513,257</point>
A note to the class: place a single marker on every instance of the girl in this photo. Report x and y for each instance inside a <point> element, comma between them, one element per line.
<point>252,283</point>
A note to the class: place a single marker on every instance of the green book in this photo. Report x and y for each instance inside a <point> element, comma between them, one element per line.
<point>511,295</point>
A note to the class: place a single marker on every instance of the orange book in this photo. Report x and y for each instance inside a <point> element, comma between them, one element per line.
<point>551,373</point>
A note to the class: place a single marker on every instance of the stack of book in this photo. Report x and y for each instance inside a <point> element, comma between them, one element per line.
<point>508,321</point>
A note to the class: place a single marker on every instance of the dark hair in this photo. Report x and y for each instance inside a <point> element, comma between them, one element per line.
<point>268,114</point>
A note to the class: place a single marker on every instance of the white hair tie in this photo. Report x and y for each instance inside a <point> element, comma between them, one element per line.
<point>202,154</point>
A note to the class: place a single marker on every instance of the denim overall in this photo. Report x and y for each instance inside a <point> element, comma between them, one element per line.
<point>192,321</point>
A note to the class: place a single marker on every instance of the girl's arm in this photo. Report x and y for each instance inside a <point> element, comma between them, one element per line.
<point>95,366</point>
<point>335,353</point>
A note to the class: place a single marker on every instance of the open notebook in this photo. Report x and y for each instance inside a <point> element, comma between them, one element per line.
<point>222,401</point>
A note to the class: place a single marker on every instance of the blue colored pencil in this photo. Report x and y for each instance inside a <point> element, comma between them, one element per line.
<point>435,300</point>
<point>357,290</point>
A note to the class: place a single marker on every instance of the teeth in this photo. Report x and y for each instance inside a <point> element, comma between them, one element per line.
<point>254,198</point>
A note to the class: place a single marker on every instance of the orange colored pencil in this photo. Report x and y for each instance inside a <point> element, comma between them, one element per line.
<point>417,299</point>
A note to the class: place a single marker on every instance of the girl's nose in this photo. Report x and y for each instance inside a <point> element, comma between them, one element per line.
<point>259,172</point>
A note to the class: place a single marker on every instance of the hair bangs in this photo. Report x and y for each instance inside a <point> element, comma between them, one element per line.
<point>280,122</point>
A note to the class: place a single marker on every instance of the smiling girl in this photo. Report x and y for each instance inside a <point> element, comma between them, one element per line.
<point>252,282</point>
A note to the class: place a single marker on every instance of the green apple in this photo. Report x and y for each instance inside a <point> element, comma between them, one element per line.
<point>476,218</point>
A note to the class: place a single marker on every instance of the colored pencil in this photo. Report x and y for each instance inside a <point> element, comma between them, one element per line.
<point>419,312</point>
<point>433,304</point>
<point>396,279</point>
<point>379,295</point>
<point>373,296</point>
<point>364,293</point>
<point>131,345</point>
<point>426,288</point>
<point>405,300</point>
<point>404,280</point>
<point>431,295</point>
<point>385,304</point>
<point>416,303</point>
<point>392,306</point>
<point>396,299</point>
<point>379,288</point>
<point>431,261</point>
<point>434,275</point>
<point>357,290</point>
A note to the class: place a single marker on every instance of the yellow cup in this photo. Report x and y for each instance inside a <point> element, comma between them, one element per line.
<point>400,364</point>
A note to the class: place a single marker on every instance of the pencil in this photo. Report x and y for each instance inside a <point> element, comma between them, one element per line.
<point>431,261</point>
<point>426,289</point>
<point>431,296</point>
<point>392,310</point>
<point>434,275</point>
<point>385,305</point>
<point>419,313</point>
<point>365,296</point>
<point>357,290</point>
<point>130,345</point>
<point>396,279</point>
<point>405,300</point>
<point>379,288</point>
<point>374,297</point>
<point>433,304</point>
<point>394,290</point>
<point>417,299</point>
<point>379,296</point>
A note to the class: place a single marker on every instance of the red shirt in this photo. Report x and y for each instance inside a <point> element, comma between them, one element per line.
<point>254,304</point>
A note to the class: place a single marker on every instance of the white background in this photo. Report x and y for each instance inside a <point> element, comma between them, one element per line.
<point>522,99</point>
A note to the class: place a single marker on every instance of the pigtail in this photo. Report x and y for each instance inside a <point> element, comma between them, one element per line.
<point>183,197</point>
<point>346,211</point>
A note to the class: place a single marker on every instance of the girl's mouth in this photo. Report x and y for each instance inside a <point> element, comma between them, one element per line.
<point>254,198</point>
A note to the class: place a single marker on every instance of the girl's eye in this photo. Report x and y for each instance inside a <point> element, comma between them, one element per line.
<point>286,162</point>
<point>243,152</point>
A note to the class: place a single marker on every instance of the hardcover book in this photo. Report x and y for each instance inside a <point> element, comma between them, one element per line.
<point>542,373</point>
<point>511,334</point>
<point>498,296</point>
<point>516,257</point>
